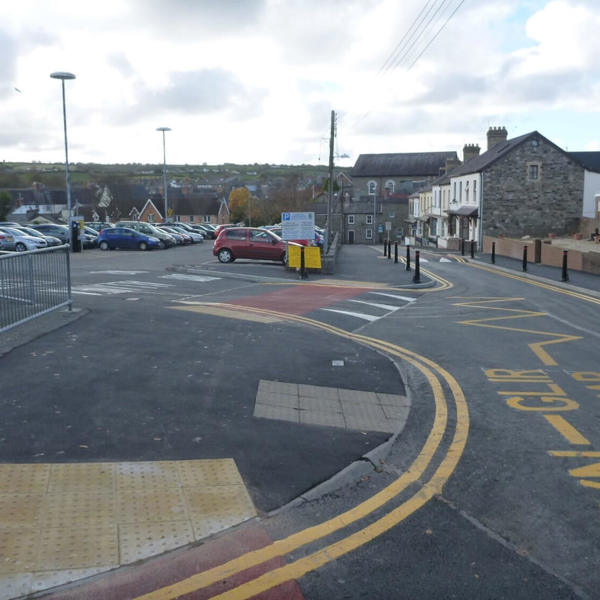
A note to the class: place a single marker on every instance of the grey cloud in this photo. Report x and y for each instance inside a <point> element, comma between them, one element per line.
<point>197,16</point>
<point>120,62</point>
<point>196,92</point>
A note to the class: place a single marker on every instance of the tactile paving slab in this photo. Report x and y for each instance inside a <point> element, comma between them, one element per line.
<point>331,407</point>
<point>62,522</point>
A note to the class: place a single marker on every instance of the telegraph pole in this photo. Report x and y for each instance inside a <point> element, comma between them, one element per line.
<point>330,194</point>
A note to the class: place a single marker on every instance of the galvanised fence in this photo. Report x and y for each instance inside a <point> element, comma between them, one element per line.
<point>33,283</point>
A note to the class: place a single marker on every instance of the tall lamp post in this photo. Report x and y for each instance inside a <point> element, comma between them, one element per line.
<point>163,129</point>
<point>62,76</point>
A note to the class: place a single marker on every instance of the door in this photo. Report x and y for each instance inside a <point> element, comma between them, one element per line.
<point>264,246</point>
<point>351,236</point>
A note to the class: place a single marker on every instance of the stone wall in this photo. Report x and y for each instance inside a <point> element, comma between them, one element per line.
<point>515,205</point>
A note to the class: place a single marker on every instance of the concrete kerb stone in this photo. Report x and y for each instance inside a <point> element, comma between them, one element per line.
<point>527,275</point>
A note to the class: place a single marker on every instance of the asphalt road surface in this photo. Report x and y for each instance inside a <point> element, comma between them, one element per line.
<point>491,490</point>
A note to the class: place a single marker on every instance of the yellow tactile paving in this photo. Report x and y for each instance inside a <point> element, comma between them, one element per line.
<point>61,522</point>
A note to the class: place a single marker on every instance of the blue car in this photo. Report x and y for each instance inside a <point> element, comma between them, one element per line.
<point>123,237</point>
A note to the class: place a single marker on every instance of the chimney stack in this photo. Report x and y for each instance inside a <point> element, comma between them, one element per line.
<point>470,151</point>
<point>496,135</point>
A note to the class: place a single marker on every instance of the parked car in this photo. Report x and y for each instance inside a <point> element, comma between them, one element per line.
<point>205,230</point>
<point>98,226</point>
<point>123,237</point>
<point>166,239</point>
<point>249,242</point>
<point>62,232</point>
<point>50,239</point>
<point>185,238</point>
<point>219,228</point>
<point>7,241</point>
<point>24,241</point>
<point>185,229</point>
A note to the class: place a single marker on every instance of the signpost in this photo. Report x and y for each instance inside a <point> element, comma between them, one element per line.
<point>297,226</point>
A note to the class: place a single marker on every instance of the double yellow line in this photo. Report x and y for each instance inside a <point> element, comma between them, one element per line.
<point>436,376</point>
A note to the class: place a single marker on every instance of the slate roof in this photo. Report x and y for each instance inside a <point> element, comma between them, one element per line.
<point>588,160</point>
<point>405,164</point>
<point>196,205</point>
<point>481,162</point>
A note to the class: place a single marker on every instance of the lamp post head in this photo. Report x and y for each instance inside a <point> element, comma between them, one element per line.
<point>62,75</point>
<point>163,129</point>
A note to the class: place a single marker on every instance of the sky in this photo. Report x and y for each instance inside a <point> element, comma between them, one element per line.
<point>255,81</point>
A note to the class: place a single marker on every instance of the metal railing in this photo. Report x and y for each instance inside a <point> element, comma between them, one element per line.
<point>33,283</point>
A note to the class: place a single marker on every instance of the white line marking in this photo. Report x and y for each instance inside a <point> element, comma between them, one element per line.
<point>74,291</point>
<point>185,277</point>
<point>353,314</point>
<point>405,298</point>
<point>445,259</point>
<point>382,306</point>
<point>120,272</point>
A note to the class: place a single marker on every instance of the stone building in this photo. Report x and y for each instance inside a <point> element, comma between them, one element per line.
<point>523,186</point>
<point>382,184</point>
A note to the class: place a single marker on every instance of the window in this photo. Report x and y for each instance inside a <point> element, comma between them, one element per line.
<point>368,234</point>
<point>369,219</point>
<point>467,192</point>
<point>150,218</point>
<point>260,236</point>
<point>474,190</point>
<point>389,186</point>
<point>350,219</point>
<point>392,215</point>
<point>533,172</point>
<point>191,218</point>
<point>207,218</point>
<point>460,191</point>
<point>372,188</point>
<point>236,234</point>
<point>454,195</point>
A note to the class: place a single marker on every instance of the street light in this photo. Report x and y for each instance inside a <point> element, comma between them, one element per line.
<point>163,129</point>
<point>62,76</point>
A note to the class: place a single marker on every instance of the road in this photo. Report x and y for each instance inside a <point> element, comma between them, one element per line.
<point>489,490</point>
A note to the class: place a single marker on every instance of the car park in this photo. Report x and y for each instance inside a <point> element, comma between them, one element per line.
<point>186,230</point>
<point>249,242</point>
<point>125,238</point>
<point>205,230</point>
<point>166,239</point>
<point>24,241</point>
<point>50,239</point>
<point>62,232</point>
<point>184,237</point>
<point>98,226</point>
<point>7,241</point>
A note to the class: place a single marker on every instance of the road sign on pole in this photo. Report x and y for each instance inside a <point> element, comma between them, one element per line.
<point>297,225</point>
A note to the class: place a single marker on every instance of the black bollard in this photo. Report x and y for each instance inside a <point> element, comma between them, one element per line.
<point>384,248</point>
<point>303,274</point>
<point>524,258</point>
<point>417,275</point>
<point>407,257</point>
<point>472,248</point>
<point>565,274</point>
<point>389,250</point>
<point>462,246</point>
<point>493,253</point>
<point>396,252</point>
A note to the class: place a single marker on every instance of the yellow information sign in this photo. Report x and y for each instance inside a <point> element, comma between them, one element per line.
<point>312,257</point>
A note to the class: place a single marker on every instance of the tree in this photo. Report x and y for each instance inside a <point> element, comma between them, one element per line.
<point>5,205</point>
<point>238,204</point>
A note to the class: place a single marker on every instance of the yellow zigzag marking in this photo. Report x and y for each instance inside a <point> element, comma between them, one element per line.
<point>536,347</point>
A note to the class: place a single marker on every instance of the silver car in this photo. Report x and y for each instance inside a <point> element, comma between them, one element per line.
<point>24,241</point>
<point>7,240</point>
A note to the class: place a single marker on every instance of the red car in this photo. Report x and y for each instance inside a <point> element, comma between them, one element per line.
<point>248,242</point>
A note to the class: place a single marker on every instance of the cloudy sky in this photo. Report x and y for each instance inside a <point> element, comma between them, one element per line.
<point>250,81</point>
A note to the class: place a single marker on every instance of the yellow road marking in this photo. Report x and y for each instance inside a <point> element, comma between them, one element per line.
<point>590,484</point>
<point>536,347</point>
<point>294,541</point>
<point>540,284</point>
<point>567,430</point>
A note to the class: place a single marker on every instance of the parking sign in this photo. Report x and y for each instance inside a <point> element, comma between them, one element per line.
<point>298,226</point>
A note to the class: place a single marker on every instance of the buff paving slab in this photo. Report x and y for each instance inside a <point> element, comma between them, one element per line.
<point>62,522</point>
<point>331,407</point>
